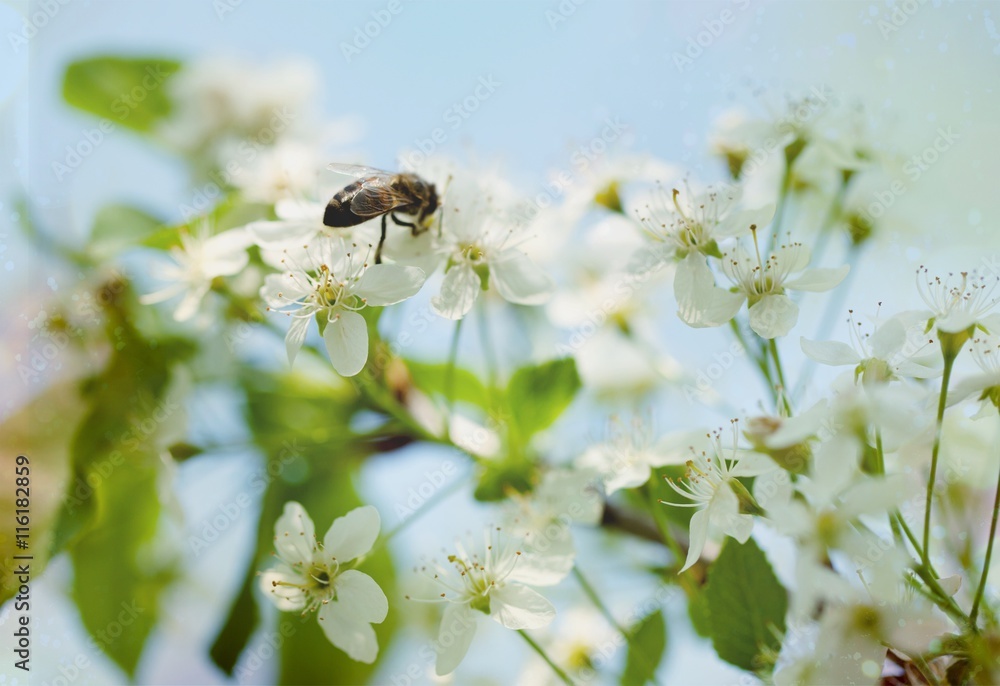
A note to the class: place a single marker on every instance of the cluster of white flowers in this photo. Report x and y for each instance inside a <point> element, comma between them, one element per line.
<point>843,481</point>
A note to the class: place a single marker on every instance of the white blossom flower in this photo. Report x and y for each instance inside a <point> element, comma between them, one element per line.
<point>224,101</point>
<point>312,576</point>
<point>284,170</point>
<point>858,625</point>
<point>333,292</point>
<point>627,458</point>
<point>482,250</point>
<point>986,386</point>
<point>543,517</point>
<point>197,262</point>
<point>762,284</point>
<point>836,495</point>
<point>493,580</point>
<point>695,223</point>
<point>886,354</point>
<point>711,483</point>
<point>958,302</point>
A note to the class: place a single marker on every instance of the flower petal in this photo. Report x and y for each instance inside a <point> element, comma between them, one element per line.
<point>458,626</point>
<point>518,279</point>
<point>226,253</point>
<point>739,222</point>
<point>295,535</point>
<point>832,353</point>
<point>544,568</point>
<point>888,339</point>
<point>388,284</point>
<point>818,280</point>
<point>346,620</point>
<point>698,536</point>
<point>700,303</point>
<point>352,535</point>
<point>773,316</point>
<point>296,336</point>
<point>188,306</point>
<point>275,235</point>
<point>280,290</point>
<point>458,291</point>
<point>518,607</point>
<point>724,514</point>
<point>346,338</point>
<point>283,586</point>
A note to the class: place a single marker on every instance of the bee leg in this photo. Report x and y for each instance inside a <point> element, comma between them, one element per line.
<point>414,229</point>
<point>381,242</point>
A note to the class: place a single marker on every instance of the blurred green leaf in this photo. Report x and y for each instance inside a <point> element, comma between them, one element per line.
<point>117,579</point>
<point>131,92</point>
<point>681,516</point>
<point>699,613</point>
<point>431,379</point>
<point>230,212</point>
<point>646,646</point>
<point>110,525</point>
<point>746,605</point>
<point>241,622</point>
<point>119,227</point>
<point>539,394</point>
<point>502,476</point>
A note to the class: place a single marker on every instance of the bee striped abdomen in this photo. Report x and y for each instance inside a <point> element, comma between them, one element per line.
<point>338,211</point>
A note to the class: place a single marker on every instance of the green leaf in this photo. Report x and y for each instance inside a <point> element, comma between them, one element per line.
<point>645,650</point>
<point>698,612</point>
<point>116,579</point>
<point>130,92</point>
<point>681,516</point>
<point>538,395</point>
<point>119,227</point>
<point>111,509</point>
<point>231,211</point>
<point>430,378</point>
<point>499,478</point>
<point>746,605</point>
<point>240,624</point>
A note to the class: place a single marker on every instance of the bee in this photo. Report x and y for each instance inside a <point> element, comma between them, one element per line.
<point>377,192</point>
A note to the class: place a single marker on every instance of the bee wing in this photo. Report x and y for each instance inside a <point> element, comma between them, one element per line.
<point>376,197</point>
<point>358,171</point>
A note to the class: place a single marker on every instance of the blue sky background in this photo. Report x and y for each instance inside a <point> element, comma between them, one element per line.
<point>560,80</point>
